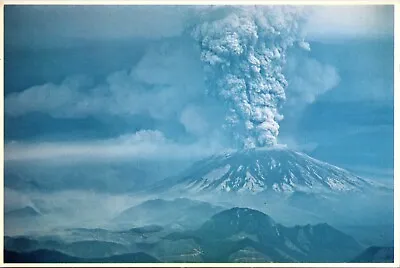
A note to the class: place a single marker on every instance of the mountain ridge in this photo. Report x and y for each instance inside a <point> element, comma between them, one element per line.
<point>237,228</point>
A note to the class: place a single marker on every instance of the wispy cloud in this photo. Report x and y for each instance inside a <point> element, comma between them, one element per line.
<point>142,144</point>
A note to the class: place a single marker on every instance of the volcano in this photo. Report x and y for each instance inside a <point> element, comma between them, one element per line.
<point>255,171</point>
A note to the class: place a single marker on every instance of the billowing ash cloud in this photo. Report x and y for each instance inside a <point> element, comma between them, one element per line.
<point>243,50</point>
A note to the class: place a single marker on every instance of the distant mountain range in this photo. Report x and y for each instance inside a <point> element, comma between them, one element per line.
<point>233,235</point>
<point>237,230</point>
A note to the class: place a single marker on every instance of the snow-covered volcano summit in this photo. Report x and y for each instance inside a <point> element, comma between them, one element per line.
<point>258,170</point>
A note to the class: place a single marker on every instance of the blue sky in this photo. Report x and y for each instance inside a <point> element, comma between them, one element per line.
<point>69,86</point>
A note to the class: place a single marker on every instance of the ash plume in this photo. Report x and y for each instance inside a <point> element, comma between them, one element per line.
<point>243,51</point>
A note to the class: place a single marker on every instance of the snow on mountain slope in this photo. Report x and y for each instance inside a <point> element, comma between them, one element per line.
<point>258,170</point>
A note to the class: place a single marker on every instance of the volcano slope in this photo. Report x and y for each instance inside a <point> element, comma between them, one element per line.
<point>282,182</point>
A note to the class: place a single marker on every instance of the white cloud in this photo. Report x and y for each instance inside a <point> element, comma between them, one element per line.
<point>293,144</point>
<point>194,122</point>
<point>66,209</point>
<point>15,200</point>
<point>166,78</point>
<point>338,22</point>
<point>308,79</point>
<point>142,144</point>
